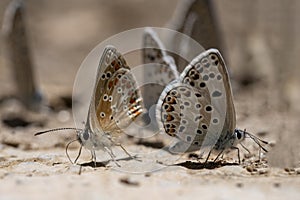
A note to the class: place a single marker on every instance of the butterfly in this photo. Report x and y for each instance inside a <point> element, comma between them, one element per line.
<point>197,108</point>
<point>161,70</point>
<point>115,103</point>
<point>196,19</point>
<point>19,56</point>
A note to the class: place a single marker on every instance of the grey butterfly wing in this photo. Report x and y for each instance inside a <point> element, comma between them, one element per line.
<point>116,100</point>
<point>18,54</point>
<point>160,68</point>
<point>154,52</point>
<point>208,88</point>
<point>197,19</point>
<point>179,115</point>
<point>127,103</point>
<point>207,72</point>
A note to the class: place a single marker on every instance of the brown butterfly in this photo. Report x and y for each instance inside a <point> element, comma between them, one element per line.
<point>116,102</point>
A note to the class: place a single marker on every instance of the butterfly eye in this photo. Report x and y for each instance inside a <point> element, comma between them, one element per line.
<point>85,135</point>
<point>239,135</point>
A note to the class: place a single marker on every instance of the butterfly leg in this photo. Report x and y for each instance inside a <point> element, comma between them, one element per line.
<point>238,151</point>
<point>94,157</point>
<point>208,156</point>
<point>132,157</point>
<point>109,151</point>
<point>218,155</point>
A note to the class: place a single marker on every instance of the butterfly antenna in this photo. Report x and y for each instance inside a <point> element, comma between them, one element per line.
<point>257,140</point>
<point>68,153</point>
<point>56,129</point>
<point>245,148</point>
<point>263,141</point>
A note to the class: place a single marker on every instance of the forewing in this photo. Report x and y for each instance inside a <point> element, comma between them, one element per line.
<point>213,77</point>
<point>201,117</point>
<point>115,90</point>
<point>160,69</point>
<point>154,52</point>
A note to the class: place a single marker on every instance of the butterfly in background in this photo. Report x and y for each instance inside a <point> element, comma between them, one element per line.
<point>161,70</point>
<point>197,19</point>
<point>19,55</point>
<point>115,103</point>
<point>197,108</point>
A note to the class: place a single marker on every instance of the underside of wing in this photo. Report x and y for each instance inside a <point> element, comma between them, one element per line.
<point>202,92</point>
<point>159,68</point>
<point>117,101</point>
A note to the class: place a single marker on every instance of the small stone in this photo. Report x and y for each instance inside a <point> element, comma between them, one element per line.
<point>239,185</point>
<point>263,171</point>
<point>277,185</point>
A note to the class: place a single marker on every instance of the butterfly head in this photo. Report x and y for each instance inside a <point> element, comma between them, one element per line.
<point>239,136</point>
<point>94,139</point>
<point>83,137</point>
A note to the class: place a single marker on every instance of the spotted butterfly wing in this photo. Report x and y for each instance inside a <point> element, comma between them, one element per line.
<point>154,52</point>
<point>160,69</point>
<point>115,104</point>
<point>198,108</point>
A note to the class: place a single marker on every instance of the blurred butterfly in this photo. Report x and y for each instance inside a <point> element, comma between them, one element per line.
<point>18,54</point>
<point>196,19</point>
<point>198,108</point>
<point>161,70</point>
<point>116,102</point>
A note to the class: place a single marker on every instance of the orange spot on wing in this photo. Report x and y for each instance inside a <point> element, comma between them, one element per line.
<point>110,84</point>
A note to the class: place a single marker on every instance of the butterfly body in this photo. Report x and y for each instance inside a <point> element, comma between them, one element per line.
<point>94,140</point>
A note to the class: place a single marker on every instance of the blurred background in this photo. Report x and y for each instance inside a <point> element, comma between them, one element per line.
<point>259,39</point>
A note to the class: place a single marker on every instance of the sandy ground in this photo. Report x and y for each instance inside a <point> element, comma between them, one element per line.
<point>62,33</point>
